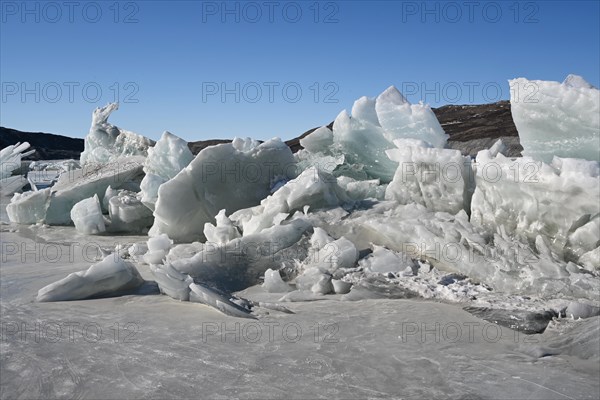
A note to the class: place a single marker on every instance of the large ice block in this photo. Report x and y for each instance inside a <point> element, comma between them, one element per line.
<point>557,119</point>
<point>362,139</point>
<point>526,197</point>
<point>28,207</point>
<point>228,176</point>
<point>436,178</point>
<point>170,155</point>
<point>87,216</point>
<point>111,276</point>
<point>128,214</point>
<point>106,142</point>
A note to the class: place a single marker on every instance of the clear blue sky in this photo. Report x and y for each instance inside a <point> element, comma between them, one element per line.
<point>168,62</point>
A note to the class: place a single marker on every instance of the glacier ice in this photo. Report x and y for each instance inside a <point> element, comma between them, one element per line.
<point>363,138</point>
<point>171,282</point>
<point>92,180</point>
<point>28,207</point>
<point>105,142</point>
<point>313,188</point>
<point>128,214</point>
<point>522,196</point>
<point>400,119</point>
<point>223,232</point>
<point>158,248</point>
<point>318,140</point>
<point>87,216</point>
<point>436,178</point>
<point>169,155</point>
<point>242,261</point>
<point>273,282</point>
<point>110,277</point>
<point>557,119</point>
<point>228,176</point>
<point>72,187</point>
<point>10,159</point>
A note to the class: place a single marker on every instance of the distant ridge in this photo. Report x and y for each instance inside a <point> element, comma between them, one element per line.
<point>471,128</point>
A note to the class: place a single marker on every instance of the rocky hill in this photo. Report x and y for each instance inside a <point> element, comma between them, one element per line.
<point>471,128</point>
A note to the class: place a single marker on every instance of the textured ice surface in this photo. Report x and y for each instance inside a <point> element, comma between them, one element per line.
<point>557,119</point>
<point>223,232</point>
<point>92,180</point>
<point>228,176</point>
<point>28,207</point>
<point>358,142</point>
<point>400,119</point>
<point>111,276</point>
<point>10,159</point>
<point>242,261</point>
<point>87,216</point>
<point>313,188</point>
<point>171,282</point>
<point>158,248</point>
<point>168,156</point>
<point>452,244</point>
<point>128,214</point>
<point>525,197</point>
<point>106,142</point>
<point>436,178</point>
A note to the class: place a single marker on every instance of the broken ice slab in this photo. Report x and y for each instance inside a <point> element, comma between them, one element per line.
<point>165,160</point>
<point>110,277</point>
<point>557,119</point>
<point>228,176</point>
<point>87,216</point>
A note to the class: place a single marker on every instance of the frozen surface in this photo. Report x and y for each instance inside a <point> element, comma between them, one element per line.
<point>228,176</point>
<point>373,348</point>
<point>110,276</point>
<point>170,155</point>
<point>106,142</point>
<point>557,119</point>
<point>87,216</point>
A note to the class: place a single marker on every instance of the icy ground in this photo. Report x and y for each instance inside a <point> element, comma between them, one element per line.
<point>152,346</point>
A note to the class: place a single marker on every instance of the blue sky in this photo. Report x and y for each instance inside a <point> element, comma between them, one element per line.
<point>262,69</point>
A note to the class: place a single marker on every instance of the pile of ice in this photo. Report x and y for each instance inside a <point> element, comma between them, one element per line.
<point>106,142</point>
<point>228,176</point>
<point>357,145</point>
<point>376,207</point>
<point>557,119</point>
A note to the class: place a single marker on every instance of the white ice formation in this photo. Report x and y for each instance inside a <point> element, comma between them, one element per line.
<point>375,207</point>
<point>557,119</point>
<point>228,176</point>
<point>106,143</point>
<point>87,216</point>
<point>166,159</point>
